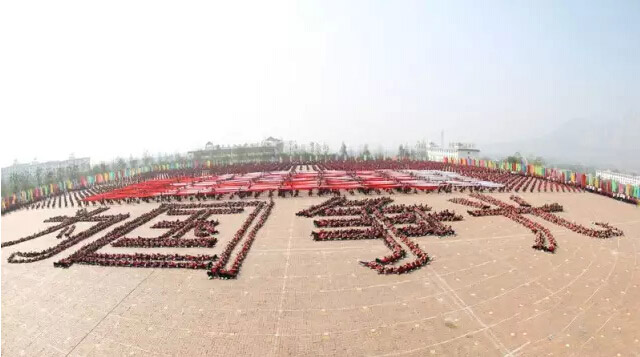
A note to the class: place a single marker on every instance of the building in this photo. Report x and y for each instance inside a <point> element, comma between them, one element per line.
<point>455,151</point>
<point>618,177</point>
<point>269,149</point>
<point>44,169</point>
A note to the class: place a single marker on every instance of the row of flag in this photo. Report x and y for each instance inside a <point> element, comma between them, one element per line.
<point>567,176</point>
<point>90,180</point>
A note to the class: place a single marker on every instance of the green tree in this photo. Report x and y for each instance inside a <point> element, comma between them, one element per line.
<point>72,172</point>
<point>14,182</point>
<point>147,159</point>
<point>402,153</point>
<point>49,177</point>
<point>515,158</point>
<point>39,176</point>
<point>343,151</point>
<point>99,169</point>
<point>60,174</point>
<point>119,164</point>
<point>19,181</point>
<point>325,151</point>
<point>538,161</point>
<point>4,188</point>
<point>133,162</point>
<point>366,154</point>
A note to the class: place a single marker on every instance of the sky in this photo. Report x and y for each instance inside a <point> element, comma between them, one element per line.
<point>116,78</point>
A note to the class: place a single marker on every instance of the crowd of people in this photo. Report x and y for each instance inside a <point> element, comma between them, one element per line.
<point>551,207</point>
<point>66,231</point>
<point>140,242</point>
<point>466,202</point>
<point>404,208</point>
<point>203,228</point>
<point>399,222</point>
<point>156,256</point>
<point>225,207</point>
<point>616,196</point>
<point>423,229</point>
<point>326,192</point>
<point>512,181</point>
<point>340,211</point>
<point>176,198</point>
<point>544,239</point>
<point>386,221</point>
<point>519,200</point>
<point>315,209</point>
<point>383,266</point>
<point>608,231</point>
<point>546,212</point>
<point>347,234</point>
<point>82,254</point>
<point>440,216</point>
<point>68,198</point>
<point>242,254</point>
<point>65,221</point>
<point>397,252</point>
<point>88,255</point>
<point>149,260</point>
<point>368,202</point>
<point>165,224</point>
<point>402,218</point>
<point>219,268</point>
<point>28,257</point>
<point>362,221</point>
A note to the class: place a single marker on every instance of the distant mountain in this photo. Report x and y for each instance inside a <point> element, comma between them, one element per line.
<point>602,144</point>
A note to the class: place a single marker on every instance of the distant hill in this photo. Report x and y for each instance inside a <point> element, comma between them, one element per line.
<point>602,144</point>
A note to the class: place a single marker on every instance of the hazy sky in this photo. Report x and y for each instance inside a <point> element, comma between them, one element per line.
<point>111,78</point>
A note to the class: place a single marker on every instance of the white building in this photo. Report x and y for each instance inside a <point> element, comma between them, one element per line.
<point>266,151</point>
<point>620,178</point>
<point>455,151</point>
